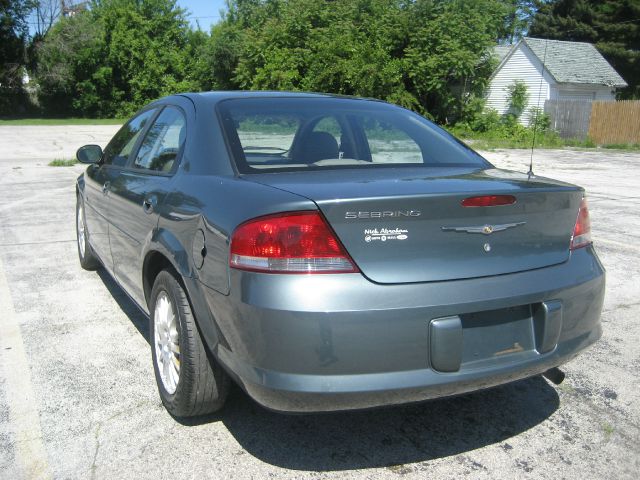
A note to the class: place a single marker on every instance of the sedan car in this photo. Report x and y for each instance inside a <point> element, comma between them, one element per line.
<point>330,253</point>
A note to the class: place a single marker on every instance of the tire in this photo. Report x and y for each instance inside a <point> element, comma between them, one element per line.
<point>190,382</point>
<point>88,259</point>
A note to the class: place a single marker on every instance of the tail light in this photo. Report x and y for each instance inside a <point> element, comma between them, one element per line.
<point>489,201</point>
<point>293,242</point>
<point>582,231</point>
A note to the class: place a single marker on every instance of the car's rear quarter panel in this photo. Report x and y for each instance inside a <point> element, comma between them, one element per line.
<point>216,205</point>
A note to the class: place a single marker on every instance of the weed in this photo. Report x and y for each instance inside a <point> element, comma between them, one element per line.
<point>63,162</point>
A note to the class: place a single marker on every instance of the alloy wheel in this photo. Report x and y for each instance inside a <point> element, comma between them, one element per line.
<point>166,342</point>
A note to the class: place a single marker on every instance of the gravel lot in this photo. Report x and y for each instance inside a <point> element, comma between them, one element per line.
<point>78,399</point>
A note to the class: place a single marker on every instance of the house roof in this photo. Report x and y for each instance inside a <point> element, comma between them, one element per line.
<point>501,51</point>
<point>574,62</point>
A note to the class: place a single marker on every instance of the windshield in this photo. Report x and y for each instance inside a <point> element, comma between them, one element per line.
<point>294,133</point>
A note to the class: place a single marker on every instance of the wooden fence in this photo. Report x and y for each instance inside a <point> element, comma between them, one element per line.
<point>603,122</point>
<point>615,122</point>
<point>570,118</point>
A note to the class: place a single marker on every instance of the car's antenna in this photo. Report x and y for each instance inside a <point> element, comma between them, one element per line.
<point>535,121</point>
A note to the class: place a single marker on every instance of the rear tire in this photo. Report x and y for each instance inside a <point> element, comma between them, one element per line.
<point>190,382</point>
<point>88,259</point>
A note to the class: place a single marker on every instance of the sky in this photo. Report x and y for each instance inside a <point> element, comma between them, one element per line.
<point>205,12</point>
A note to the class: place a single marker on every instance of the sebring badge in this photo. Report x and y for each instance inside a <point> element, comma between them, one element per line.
<point>383,214</point>
<point>484,229</point>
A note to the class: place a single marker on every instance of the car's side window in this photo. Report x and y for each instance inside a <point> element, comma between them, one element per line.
<point>163,141</point>
<point>120,147</point>
<point>254,129</point>
<point>389,144</point>
<point>329,125</point>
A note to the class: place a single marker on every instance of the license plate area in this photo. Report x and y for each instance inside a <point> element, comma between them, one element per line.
<point>496,336</point>
<point>492,338</point>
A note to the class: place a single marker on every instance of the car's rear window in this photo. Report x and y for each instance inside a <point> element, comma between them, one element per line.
<point>294,133</point>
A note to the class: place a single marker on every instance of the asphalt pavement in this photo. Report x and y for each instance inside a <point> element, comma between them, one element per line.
<point>78,398</point>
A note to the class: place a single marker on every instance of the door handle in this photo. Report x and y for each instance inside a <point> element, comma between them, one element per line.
<point>106,187</point>
<point>148,204</point>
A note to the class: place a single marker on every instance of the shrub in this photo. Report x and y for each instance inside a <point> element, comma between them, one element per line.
<point>518,98</point>
<point>539,120</point>
<point>486,121</point>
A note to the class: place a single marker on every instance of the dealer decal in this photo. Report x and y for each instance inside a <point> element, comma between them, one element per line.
<point>385,234</point>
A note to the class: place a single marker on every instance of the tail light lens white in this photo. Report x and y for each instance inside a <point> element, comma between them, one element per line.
<point>292,242</point>
<point>582,231</point>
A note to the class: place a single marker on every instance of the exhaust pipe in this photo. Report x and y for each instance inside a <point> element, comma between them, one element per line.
<point>554,375</point>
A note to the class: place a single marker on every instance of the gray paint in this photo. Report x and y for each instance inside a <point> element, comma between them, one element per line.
<point>547,208</point>
<point>324,342</point>
<point>353,338</point>
<point>445,343</point>
<point>547,319</point>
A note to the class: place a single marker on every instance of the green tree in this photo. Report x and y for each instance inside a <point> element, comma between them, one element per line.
<point>517,19</point>
<point>220,56</point>
<point>13,35</point>
<point>612,25</point>
<point>446,58</point>
<point>70,74</point>
<point>147,49</point>
<point>117,56</point>
<point>429,55</point>
<point>346,47</point>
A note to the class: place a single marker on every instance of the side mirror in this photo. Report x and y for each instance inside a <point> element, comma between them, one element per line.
<point>89,154</point>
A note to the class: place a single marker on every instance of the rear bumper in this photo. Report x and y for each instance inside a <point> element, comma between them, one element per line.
<point>307,394</point>
<point>335,342</point>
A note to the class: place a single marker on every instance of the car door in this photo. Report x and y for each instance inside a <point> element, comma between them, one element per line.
<point>138,190</point>
<point>98,181</point>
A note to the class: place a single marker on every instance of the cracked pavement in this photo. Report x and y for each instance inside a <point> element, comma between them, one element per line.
<point>94,411</point>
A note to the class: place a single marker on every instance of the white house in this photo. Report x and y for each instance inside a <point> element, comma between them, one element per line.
<point>552,69</point>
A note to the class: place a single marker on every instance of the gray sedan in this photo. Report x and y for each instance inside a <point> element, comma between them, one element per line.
<point>330,253</point>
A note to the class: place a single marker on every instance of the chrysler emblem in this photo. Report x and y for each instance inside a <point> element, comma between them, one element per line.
<point>484,229</point>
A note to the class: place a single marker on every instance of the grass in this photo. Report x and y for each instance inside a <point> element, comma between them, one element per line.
<point>494,140</point>
<point>623,146</point>
<point>63,162</point>
<point>521,138</point>
<point>608,430</point>
<point>480,143</point>
<point>61,121</point>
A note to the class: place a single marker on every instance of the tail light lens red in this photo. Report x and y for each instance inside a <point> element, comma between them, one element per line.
<point>582,231</point>
<point>293,242</point>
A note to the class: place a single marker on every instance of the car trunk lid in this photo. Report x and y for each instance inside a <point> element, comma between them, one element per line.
<point>405,225</point>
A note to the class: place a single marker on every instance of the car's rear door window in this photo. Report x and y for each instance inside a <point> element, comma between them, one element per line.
<point>389,144</point>
<point>266,138</point>
<point>163,142</point>
<point>121,146</point>
<point>330,125</point>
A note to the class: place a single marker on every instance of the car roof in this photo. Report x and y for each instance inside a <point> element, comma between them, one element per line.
<point>212,98</point>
